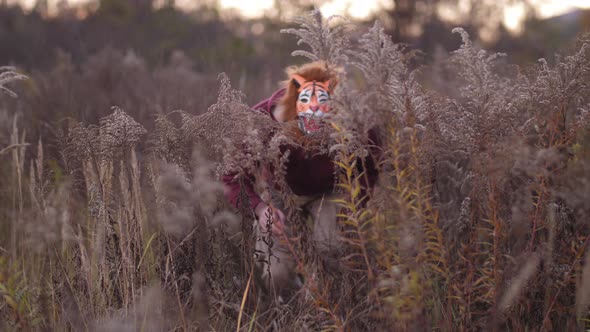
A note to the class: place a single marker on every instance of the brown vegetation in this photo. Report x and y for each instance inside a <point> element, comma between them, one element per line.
<point>479,220</point>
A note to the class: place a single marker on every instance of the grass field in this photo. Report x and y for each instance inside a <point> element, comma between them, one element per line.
<point>480,219</point>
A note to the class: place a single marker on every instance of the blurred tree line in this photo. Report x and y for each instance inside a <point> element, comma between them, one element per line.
<point>153,57</point>
<point>145,58</point>
<point>31,38</point>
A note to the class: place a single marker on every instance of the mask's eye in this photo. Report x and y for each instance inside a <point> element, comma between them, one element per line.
<point>323,96</point>
<point>304,97</point>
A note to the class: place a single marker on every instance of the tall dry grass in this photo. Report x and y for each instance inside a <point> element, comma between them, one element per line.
<point>479,219</point>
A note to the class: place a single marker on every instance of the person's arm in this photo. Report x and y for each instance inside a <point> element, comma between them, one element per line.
<point>264,212</point>
<point>233,186</point>
<point>268,214</point>
<point>233,189</point>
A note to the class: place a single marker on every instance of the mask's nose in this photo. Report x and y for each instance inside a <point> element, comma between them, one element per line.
<point>314,108</point>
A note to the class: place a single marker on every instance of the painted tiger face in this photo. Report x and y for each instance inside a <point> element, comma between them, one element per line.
<point>312,103</point>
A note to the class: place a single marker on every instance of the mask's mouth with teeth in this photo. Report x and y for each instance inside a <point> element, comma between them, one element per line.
<point>311,122</point>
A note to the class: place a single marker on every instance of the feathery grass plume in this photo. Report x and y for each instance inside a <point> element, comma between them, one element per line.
<point>519,283</point>
<point>239,139</point>
<point>206,189</point>
<point>153,311</point>
<point>236,139</point>
<point>355,110</point>
<point>8,75</point>
<point>224,129</point>
<point>228,221</point>
<point>464,219</point>
<point>378,58</point>
<point>186,210</point>
<point>168,144</point>
<point>77,143</point>
<point>557,98</point>
<point>104,156</point>
<point>328,39</point>
<point>574,183</point>
<point>50,224</point>
<point>487,107</point>
<point>390,86</point>
<point>555,101</point>
<point>177,218</point>
<point>17,148</point>
<point>118,132</point>
<point>400,108</point>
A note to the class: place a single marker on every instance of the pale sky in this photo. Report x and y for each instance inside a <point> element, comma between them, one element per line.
<point>513,14</point>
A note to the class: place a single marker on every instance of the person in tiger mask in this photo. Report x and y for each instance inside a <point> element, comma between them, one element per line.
<point>302,105</point>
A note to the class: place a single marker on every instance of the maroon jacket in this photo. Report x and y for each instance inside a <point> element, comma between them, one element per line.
<point>306,174</point>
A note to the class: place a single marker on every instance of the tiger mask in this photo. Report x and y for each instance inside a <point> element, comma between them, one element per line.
<point>307,96</point>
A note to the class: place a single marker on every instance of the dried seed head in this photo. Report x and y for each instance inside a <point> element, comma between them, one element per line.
<point>8,75</point>
<point>118,132</point>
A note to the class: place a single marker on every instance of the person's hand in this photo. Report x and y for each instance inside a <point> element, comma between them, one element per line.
<point>268,214</point>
